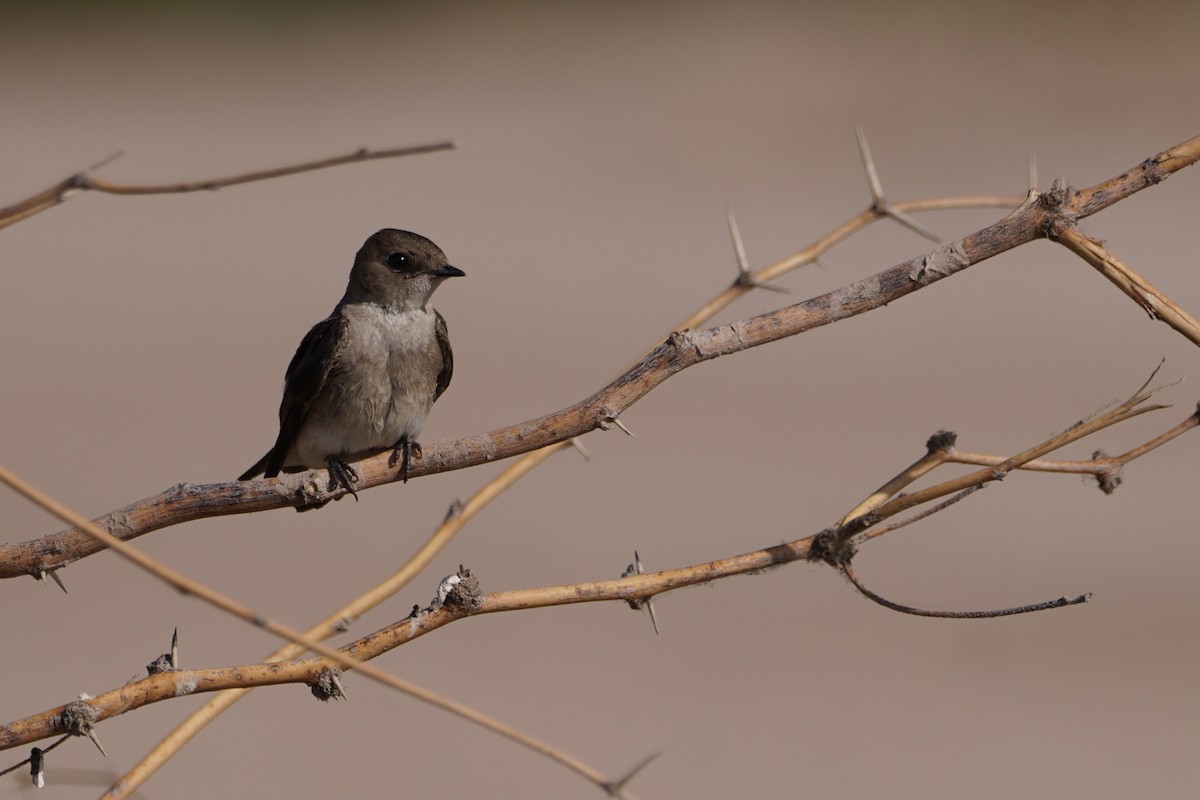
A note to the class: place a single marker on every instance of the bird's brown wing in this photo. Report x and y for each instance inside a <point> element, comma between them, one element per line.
<point>443,340</point>
<point>304,381</point>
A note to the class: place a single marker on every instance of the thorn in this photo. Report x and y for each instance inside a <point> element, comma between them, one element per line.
<point>1033,172</point>
<point>745,277</point>
<point>912,224</point>
<point>91,731</point>
<point>336,680</point>
<point>577,443</point>
<point>653,616</point>
<point>58,580</point>
<point>175,649</point>
<point>41,574</point>
<point>746,280</point>
<point>739,250</point>
<point>328,686</point>
<point>617,421</point>
<point>636,568</point>
<point>616,787</point>
<point>104,162</point>
<point>879,202</point>
<point>454,511</point>
<point>822,263</point>
<point>873,182</point>
<point>96,741</point>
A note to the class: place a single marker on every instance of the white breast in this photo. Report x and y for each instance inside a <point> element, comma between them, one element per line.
<point>380,389</point>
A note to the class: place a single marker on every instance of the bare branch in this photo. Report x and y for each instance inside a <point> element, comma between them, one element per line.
<point>334,623</point>
<point>1043,214</point>
<point>848,571</point>
<point>83,181</point>
<point>1140,290</point>
<point>634,586</point>
<point>48,723</point>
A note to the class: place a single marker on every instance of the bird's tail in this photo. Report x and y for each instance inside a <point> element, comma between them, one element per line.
<point>258,469</point>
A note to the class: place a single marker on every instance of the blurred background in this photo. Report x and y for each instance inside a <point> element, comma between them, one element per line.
<point>146,340</point>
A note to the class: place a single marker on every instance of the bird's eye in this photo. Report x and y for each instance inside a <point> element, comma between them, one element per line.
<point>397,261</point>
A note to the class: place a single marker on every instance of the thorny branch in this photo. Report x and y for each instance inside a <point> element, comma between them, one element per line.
<point>835,546</point>
<point>1053,214</point>
<point>1056,213</point>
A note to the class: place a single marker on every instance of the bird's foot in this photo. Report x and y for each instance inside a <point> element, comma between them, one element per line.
<point>343,475</point>
<point>404,452</point>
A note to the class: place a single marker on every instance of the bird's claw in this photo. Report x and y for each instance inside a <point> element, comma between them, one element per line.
<point>403,452</point>
<point>342,475</point>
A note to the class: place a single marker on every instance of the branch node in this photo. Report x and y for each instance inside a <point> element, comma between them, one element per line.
<point>454,511</point>
<point>1108,478</point>
<point>459,591</point>
<point>943,440</point>
<point>160,664</point>
<point>328,685</point>
<point>1057,202</point>
<point>77,719</point>
<point>834,547</point>
<point>637,603</point>
<point>167,662</point>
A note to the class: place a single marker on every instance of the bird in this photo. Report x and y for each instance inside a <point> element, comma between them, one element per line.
<point>364,379</point>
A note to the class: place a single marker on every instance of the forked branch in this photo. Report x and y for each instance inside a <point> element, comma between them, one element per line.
<point>835,546</point>
<point>1041,215</point>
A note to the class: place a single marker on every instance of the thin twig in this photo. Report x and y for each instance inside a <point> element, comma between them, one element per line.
<point>1060,602</point>
<point>83,181</point>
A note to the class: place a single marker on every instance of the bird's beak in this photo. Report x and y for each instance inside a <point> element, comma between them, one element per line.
<point>447,272</point>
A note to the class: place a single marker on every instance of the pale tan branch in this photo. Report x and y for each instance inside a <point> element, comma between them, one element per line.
<point>941,450</point>
<point>199,719</point>
<point>168,685</point>
<point>1140,290</point>
<point>83,181</point>
<point>346,659</point>
<point>1000,468</point>
<point>633,587</point>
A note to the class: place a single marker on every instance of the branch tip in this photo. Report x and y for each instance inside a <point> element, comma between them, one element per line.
<point>615,788</point>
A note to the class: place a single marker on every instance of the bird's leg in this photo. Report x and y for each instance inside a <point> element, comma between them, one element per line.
<point>403,452</point>
<point>341,474</point>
